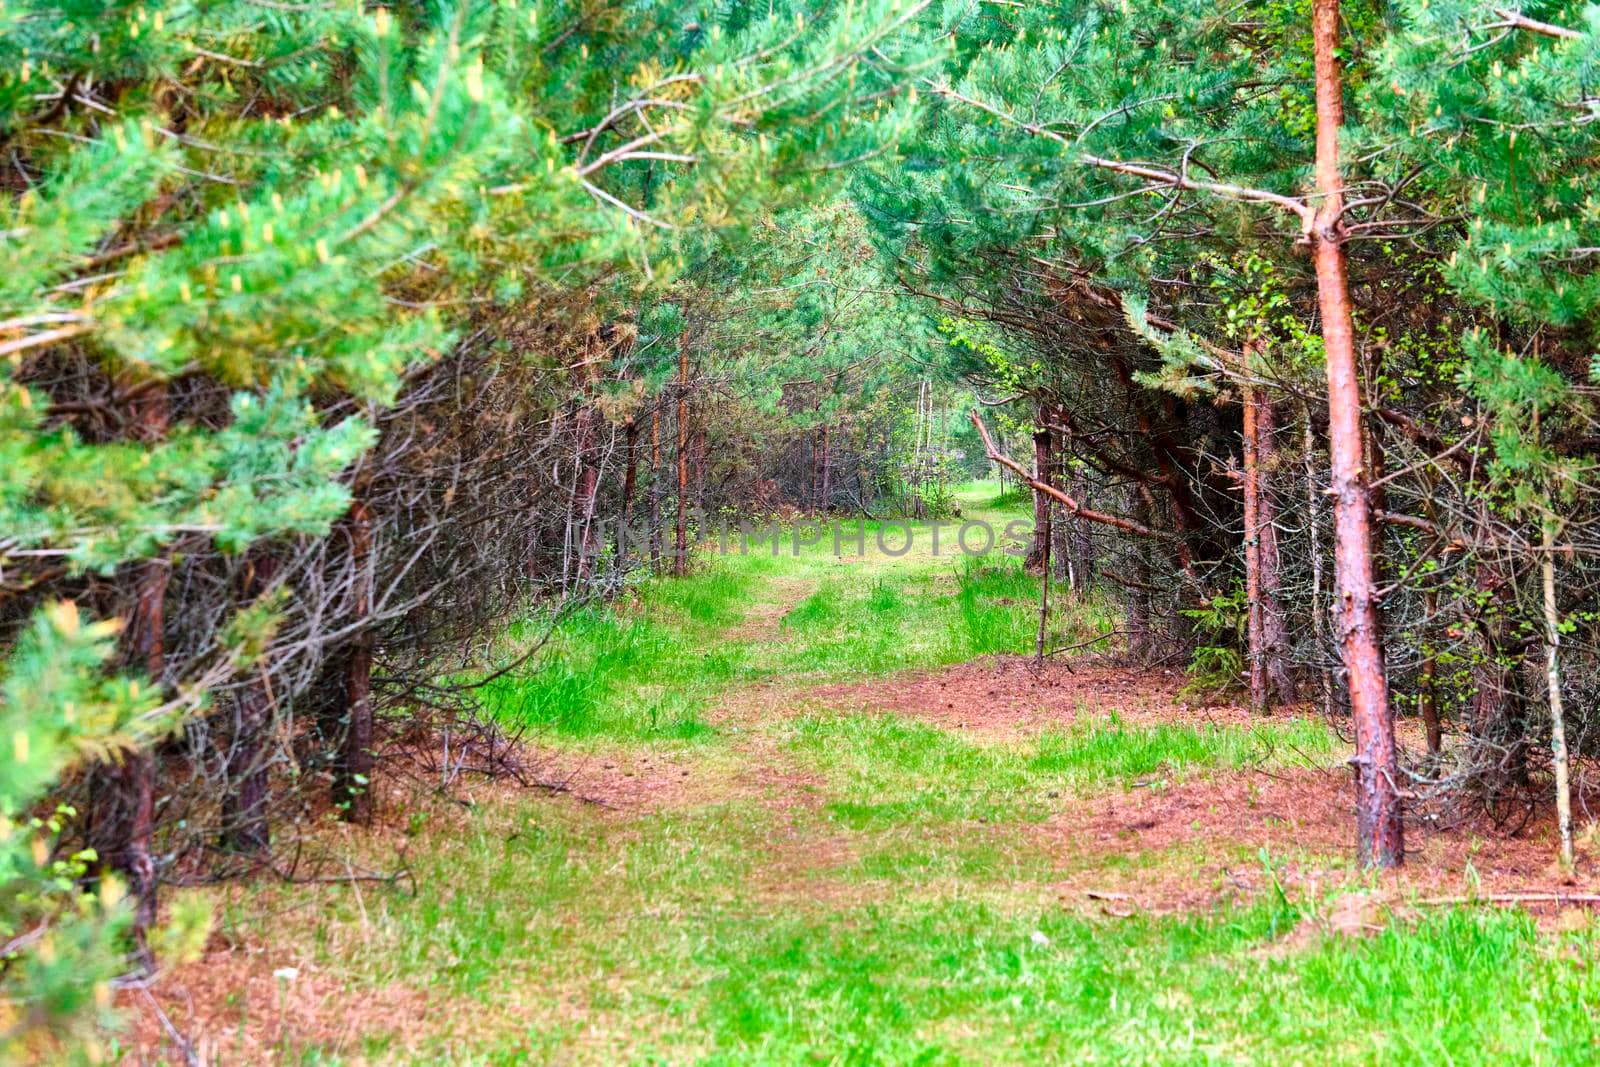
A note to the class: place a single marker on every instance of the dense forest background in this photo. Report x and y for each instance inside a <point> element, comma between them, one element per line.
<point>338,337</point>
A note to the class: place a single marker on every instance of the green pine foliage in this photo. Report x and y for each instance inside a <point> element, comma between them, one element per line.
<point>303,205</point>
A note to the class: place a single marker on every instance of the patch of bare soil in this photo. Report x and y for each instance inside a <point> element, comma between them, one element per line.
<point>1158,848</point>
<point>1196,843</point>
<point>247,1004</point>
<point>630,782</point>
<point>1001,697</point>
<point>762,622</point>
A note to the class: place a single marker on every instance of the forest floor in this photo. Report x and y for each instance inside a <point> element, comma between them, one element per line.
<point>819,808</point>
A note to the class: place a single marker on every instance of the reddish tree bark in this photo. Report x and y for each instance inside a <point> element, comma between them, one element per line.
<point>121,829</point>
<point>1044,586</point>
<point>1252,557</point>
<point>1378,808</point>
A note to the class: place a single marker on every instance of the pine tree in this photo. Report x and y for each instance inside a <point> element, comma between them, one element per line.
<point>299,207</point>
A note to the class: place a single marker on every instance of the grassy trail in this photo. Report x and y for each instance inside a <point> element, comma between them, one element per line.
<point>796,612</point>
<point>808,822</point>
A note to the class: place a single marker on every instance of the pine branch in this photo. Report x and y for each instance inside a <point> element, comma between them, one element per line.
<point>1515,20</point>
<point>1160,176</point>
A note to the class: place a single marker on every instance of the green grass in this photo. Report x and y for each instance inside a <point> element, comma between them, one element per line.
<point>866,888</point>
<point>886,770</point>
<point>647,669</point>
<point>569,937</point>
<point>641,675</point>
<point>969,982</point>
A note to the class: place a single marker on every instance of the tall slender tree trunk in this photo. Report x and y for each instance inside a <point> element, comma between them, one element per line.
<point>1168,456</point>
<point>586,492</point>
<point>1044,590</point>
<point>1319,617</point>
<point>245,828</point>
<point>1252,558</point>
<point>1558,722</point>
<point>588,489</point>
<point>1274,629</point>
<point>1270,680</point>
<point>352,781</point>
<point>655,487</point>
<point>680,559</point>
<point>1380,833</point>
<point>121,827</point>
<point>630,478</point>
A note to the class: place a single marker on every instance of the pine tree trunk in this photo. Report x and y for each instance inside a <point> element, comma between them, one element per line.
<point>1308,447</point>
<point>655,487</point>
<point>680,559</point>
<point>586,492</point>
<point>1499,718</point>
<point>1252,558</point>
<point>1274,629</point>
<point>1044,589</point>
<point>245,828</point>
<point>352,781</point>
<point>1270,680</point>
<point>588,483</point>
<point>630,477</point>
<point>1380,833</point>
<point>121,825</point>
<point>1558,722</point>
<point>1167,454</point>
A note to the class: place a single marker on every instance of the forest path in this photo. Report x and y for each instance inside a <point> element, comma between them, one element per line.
<point>822,807</point>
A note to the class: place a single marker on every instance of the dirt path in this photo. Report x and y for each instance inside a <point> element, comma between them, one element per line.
<point>1160,845</point>
<point>1150,844</point>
